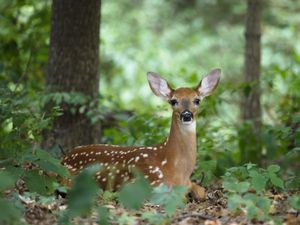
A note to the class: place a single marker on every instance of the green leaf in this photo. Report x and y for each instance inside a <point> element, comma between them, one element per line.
<point>273,168</point>
<point>51,166</point>
<point>48,163</point>
<point>252,210</point>
<point>6,181</point>
<point>257,206</point>
<point>154,217</point>
<point>258,181</point>
<point>83,193</point>
<point>39,183</point>
<point>134,194</point>
<point>276,181</point>
<point>234,202</point>
<point>294,201</point>
<point>232,185</point>
<point>8,212</point>
<point>169,199</point>
<point>103,215</point>
<point>126,219</point>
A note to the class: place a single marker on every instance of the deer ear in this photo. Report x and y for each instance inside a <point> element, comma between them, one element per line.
<point>159,86</point>
<point>209,83</point>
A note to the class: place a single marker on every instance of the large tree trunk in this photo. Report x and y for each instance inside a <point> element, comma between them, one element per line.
<point>74,68</point>
<point>251,108</point>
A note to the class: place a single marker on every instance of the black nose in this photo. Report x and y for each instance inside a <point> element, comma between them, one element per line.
<point>186,116</point>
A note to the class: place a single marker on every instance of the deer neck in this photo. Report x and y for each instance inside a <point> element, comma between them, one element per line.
<point>181,144</point>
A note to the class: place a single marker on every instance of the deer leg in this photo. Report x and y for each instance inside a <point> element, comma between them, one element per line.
<point>198,192</point>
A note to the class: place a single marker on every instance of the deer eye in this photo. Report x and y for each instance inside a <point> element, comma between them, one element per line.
<point>197,101</point>
<point>173,102</point>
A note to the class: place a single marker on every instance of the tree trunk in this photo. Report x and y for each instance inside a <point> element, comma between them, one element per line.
<point>74,68</point>
<point>251,108</point>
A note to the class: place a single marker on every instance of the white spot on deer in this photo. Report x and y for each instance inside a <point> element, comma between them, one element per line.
<point>80,167</point>
<point>154,182</point>
<point>118,171</point>
<point>98,177</point>
<point>137,159</point>
<point>160,147</point>
<point>157,170</point>
<point>150,148</point>
<point>155,148</point>
<point>80,146</point>
<point>69,166</point>
<point>80,162</point>
<point>129,161</point>
<point>104,179</point>
<point>145,155</point>
<point>150,167</point>
<point>164,162</point>
<point>74,169</point>
<point>110,174</point>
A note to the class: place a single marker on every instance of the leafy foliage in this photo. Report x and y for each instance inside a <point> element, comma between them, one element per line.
<point>169,199</point>
<point>83,193</point>
<point>134,194</point>
<point>239,181</point>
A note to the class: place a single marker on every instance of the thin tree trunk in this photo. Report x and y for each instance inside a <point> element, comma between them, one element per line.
<point>74,68</point>
<point>251,108</point>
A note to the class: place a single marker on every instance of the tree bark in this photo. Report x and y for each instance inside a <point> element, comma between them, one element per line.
<point>251,108</point>
<point>74,68</point>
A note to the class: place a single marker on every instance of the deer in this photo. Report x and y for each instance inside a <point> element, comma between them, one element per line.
<point>170,163</point>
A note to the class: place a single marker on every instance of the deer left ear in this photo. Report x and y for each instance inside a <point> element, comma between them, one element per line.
<point>209,83</point>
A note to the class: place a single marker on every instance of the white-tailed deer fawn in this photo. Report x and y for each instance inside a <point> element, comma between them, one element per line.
<point>171,162</point>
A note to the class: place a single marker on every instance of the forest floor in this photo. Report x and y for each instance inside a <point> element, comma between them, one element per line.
<point>212,211</point>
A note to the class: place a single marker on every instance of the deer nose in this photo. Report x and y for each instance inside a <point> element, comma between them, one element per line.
<point>186,116</point>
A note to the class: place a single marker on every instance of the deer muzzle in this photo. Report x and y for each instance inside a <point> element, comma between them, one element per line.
<point>186,116</point>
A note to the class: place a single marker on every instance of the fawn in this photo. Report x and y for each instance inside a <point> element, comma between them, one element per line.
<point>171,162</point>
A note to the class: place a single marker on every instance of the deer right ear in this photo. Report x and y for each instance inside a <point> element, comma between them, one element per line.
<point>209,83</point>
<point>159,86</point>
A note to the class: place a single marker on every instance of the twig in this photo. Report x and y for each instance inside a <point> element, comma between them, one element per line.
<point>24,72</point>
<point>62,150</point>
